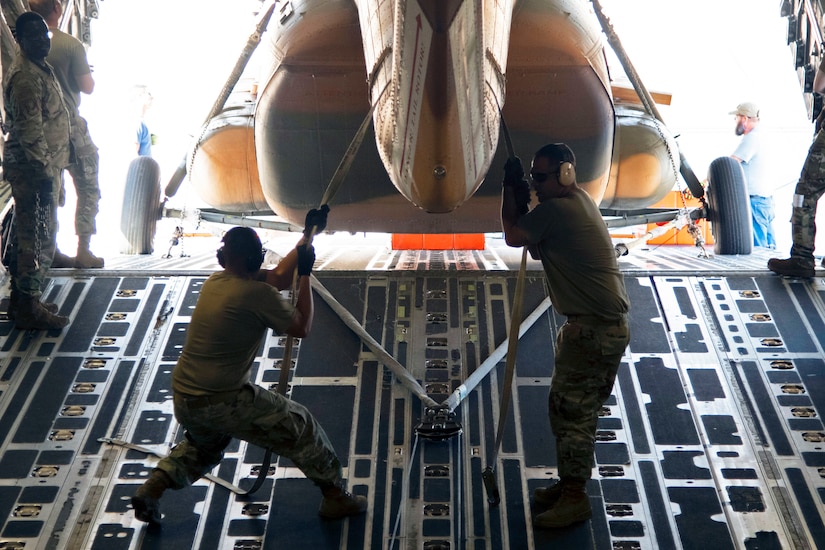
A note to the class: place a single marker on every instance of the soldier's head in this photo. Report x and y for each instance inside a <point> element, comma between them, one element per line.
<point>242,252</point>
<point>50,10</point>
<point>553,171</point>
<point>32,33</point>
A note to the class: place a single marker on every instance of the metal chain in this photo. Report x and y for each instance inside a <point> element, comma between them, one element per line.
<point>41,226</point>
<point>672,161</point>
<point>692,227</point>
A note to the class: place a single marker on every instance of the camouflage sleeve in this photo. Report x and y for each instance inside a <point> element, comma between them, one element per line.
<point>25,100</point>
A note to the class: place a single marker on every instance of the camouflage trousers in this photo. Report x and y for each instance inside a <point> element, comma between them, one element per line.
<point>809,189</point>
<point>258,416</point>
<point>587,360</point>
<point>84,172</point>
<point>34,231</point>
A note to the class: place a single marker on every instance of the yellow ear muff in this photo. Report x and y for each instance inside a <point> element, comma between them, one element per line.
<point>567,173</point>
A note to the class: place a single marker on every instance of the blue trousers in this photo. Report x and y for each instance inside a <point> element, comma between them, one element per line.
<point>762,215</point>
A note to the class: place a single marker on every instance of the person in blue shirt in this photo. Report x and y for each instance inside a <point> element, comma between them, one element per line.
<point>751,155</point>
<point>143,137</point>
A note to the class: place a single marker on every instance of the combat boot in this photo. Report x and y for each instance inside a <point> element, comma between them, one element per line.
<point>548,496</point>
<point>338,503</point>
<point>792,267</point>
<point>572,507</point>
<point>85,259</point>
<point>14,302</point>
<point>60,260</point>
<point>146,502</point>
<point>32,315</point>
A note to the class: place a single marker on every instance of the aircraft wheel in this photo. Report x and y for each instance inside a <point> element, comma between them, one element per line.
<point>729,207</point>
<point>141,206</point>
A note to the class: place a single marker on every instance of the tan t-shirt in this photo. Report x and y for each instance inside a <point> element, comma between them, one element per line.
<point>577,255</point>
<point>227,327</point>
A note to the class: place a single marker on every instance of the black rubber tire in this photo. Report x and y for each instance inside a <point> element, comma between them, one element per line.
<point>729,211</point>
<point>141,206</point>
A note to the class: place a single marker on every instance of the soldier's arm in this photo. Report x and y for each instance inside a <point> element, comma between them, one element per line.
<point>281,276</point>
<point>819,78</point>
<point>85,83</point>
<point>513,234</point>
<point>79,67</point>
<point>25,102</point>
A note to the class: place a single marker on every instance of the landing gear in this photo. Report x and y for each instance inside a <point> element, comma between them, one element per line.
<point>729,207</point>
<point>142,207</point>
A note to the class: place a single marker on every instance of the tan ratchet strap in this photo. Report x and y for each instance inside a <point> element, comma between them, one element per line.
<point>487,476</point>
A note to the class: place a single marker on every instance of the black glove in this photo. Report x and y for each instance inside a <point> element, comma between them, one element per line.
<point>44,189</point>
<point>819,120</point>
<point>522,198</point>
<point>306,258</point>
<point>317,218</point>
<point>513,172</point>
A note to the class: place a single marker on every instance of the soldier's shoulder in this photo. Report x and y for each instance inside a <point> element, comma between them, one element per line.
<point>23,76</point>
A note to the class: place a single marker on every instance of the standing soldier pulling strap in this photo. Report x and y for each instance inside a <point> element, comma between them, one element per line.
<point>566,232</point>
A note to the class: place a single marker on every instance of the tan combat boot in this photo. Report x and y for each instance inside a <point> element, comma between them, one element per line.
<point>85,259</point>
<point>146,501</point>
<point>14,302</point>
<point>572,507</point>
<point>32,315</point>
<point>792,267</point>
<point>338,503</point>
<point>547,496</point>
<point>61,261</point>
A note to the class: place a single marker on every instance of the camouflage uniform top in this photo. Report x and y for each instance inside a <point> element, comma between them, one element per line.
<point>36,117</point>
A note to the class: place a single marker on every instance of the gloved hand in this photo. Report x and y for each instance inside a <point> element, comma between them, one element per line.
<point>513,172</point>
<point>522,198</point>
<point>306,258</point>
<point>317,218</point>
<point>819,120</point>
<point>44,190</point>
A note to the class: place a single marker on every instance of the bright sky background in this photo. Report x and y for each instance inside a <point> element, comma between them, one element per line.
<point>709,54</point>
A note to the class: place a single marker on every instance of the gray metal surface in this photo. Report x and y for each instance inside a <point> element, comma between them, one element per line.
<point>712,437</point>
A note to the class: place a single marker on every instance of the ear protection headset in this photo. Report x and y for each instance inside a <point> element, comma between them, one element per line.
<point>567,166</point>
<point>567,173</point>
<point>243,242</point>
<point>567,162</point>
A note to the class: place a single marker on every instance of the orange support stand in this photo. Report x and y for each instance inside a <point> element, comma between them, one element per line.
<point>438,241</point>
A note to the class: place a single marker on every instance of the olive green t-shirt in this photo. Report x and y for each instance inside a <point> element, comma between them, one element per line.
<point>68,57</point>
<point>227,327</point>
<point>577,255</point>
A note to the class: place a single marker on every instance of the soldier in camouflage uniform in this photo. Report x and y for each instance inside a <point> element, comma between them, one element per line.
<point>566,231</point>
<point>68,58</point>
<point>213,397</point>
<point>809,188</point>
<point>35,155</point>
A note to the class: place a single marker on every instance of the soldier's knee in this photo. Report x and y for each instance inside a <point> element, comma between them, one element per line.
<point>26,258</point>
<point>569,405</point>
